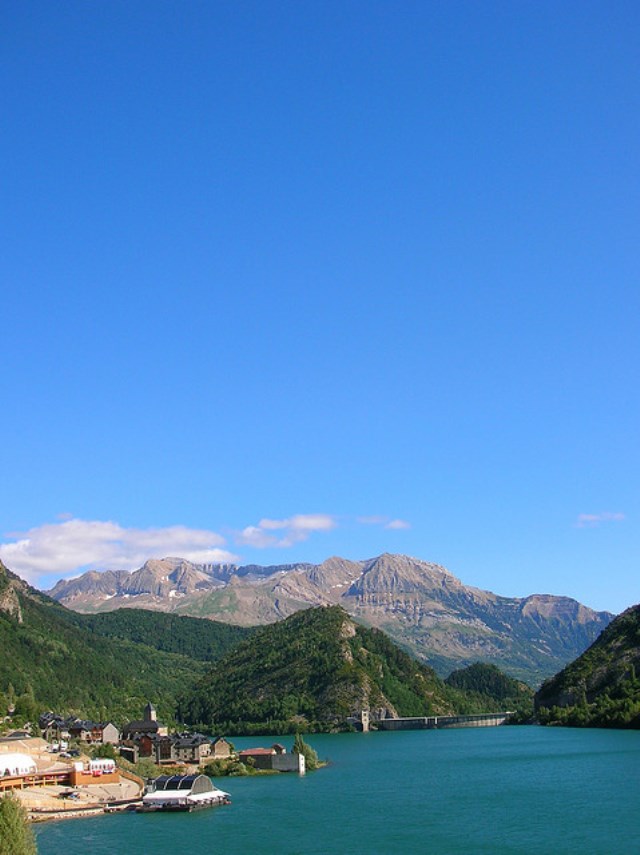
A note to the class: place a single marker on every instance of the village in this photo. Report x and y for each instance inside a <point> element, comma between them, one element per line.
<point>70,767</point>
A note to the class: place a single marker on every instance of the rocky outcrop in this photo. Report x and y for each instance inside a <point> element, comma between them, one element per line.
<point>10,604</point>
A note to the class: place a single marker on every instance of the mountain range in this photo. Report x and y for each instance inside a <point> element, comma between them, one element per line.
<point>421,605</point>
<point>311,669</point>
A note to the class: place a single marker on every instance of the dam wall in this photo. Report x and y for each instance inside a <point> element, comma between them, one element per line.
<point>443,721</point>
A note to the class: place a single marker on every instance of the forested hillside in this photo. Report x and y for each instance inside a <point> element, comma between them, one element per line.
<point>49,661</point>
<point>602,687</point>
<point>488,687</point>
<point>205,640</point>
<point>312,669</point>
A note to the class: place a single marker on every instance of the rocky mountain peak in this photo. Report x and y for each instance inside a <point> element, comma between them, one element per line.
<point>400,574</point>
<point>335,573</point>
<point>92,583</point>
<point>550,606</point>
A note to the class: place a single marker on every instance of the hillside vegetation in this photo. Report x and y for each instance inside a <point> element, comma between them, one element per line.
<point>204,640</point>
<point>49,661</point>
<point>487,687</point>
<point>313,669</point>
<point>602,687</point>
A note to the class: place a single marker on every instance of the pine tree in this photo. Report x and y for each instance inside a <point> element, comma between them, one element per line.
<point>16,836</point>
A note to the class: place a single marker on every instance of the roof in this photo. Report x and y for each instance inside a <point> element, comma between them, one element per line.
<point>51,718</point>
<point>17,757</point>
<point>183,789</point>
<point>176,782</point>
<point>191,740</point>
<point>151,735</point>
<point>142,726</point>
<point>250,751</point>
<point>78,724</point>
<point>15,760</point>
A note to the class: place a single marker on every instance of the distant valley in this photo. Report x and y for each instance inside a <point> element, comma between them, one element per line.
<point>422,606</point>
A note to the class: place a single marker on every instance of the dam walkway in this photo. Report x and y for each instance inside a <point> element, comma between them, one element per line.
<point>433,722</point>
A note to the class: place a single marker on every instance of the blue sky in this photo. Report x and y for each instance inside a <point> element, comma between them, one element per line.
<point>288,280</point>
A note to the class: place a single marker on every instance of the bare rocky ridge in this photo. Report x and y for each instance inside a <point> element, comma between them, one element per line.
<point>420,605</point>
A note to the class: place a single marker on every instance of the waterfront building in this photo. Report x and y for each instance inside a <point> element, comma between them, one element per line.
<point>183,792</point>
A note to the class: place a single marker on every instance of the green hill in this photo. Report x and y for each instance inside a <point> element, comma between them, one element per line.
<point>312,670</point>
<point>491,689</point>
<point>600,688</point>
<point>51,661</point>
<point>204,640</point>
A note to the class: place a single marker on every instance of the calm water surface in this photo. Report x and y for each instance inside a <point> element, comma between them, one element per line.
<point>491,790</point>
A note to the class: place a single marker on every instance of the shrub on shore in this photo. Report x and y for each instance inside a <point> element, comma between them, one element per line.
<point>16,836</point>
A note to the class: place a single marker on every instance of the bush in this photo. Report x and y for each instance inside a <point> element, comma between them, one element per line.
<point>311,761</point>
<point>107,750</point>
<point>16,836</point>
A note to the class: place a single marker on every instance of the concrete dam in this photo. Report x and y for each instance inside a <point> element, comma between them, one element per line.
<point>364,720</point>
<point>433,722</point>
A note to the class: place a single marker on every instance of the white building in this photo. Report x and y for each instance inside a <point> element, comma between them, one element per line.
<point>183,792</point>
<point>16,765</point>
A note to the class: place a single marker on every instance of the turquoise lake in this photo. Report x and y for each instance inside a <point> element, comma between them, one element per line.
<point>476,790</point>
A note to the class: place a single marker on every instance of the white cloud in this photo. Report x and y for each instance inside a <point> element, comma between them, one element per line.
<point>69,547</point>
<point>385,522</point>
<point>73,545</point>
<point>257,537</point>
<point>594,520</point>
<point>291,530</point>
<point>398,524</point>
